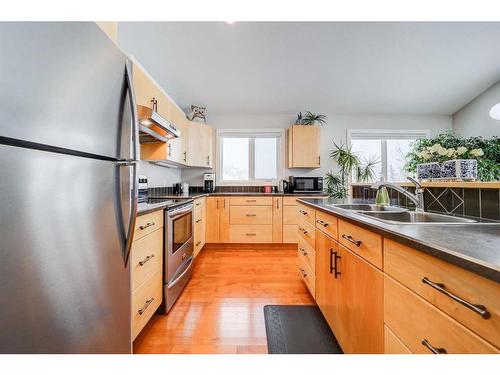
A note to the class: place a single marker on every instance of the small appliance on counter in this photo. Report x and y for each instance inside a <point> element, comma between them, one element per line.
<point>284,186</point>
<point>142,189</point>
<point>305,184</point>
<point>209,182</point>
<point>181,188</point>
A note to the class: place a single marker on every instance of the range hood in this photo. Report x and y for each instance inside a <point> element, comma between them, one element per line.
<point>153,128</point>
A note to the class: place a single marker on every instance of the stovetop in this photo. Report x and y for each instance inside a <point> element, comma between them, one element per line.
<point>168,203</point>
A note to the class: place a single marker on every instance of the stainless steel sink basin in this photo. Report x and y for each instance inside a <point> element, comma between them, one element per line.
<point>412,217</point>
<point>369,208</point>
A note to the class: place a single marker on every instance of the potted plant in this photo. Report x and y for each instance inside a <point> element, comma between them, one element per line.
<point>348,163</point>
<point>314,119</point>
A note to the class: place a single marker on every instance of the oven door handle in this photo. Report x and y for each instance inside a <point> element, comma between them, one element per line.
<point>179,212</point>
<point>173,283</point>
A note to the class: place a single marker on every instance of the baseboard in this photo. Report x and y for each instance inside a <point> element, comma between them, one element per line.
<point>251,246</point>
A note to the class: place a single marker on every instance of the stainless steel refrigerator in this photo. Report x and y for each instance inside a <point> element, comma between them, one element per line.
<point>68,151</point>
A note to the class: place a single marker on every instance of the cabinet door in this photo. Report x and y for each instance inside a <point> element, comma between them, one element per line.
<point>326,282</point>
<point>223,219</point>
<point>361,304</point>
<point>277,220</point>
<point>207,136</point>
<point>304,147</point>
<point>212,220</point>
<point>178,147</point>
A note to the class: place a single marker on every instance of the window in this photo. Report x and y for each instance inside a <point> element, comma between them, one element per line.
<point>389,147</point>
<point>249,157</point>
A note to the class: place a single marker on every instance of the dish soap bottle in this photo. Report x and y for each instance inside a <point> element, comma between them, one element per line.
<point>382,197</point>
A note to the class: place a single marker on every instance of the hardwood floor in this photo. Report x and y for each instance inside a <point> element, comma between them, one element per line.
<point>221,308</point>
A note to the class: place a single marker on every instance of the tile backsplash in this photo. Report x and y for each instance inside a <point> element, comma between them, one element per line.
<point>481,203</point>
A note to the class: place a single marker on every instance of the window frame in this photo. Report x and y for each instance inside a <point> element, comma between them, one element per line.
<point>384,135</point>
<point>279,134</point>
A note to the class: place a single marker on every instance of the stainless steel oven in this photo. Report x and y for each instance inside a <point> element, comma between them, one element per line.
<point>178,251</point>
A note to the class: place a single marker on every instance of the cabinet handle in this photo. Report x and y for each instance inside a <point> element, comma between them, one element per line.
<point>145,260</point>
<point>147,225</point>
<point>154,104</point>
<point>303,212</point>
<point>170,150</point>
<point>319,159</point>
<point>303,230</point>
<point>251,234</point>
<point>333,263</point>
<point>304,253</point>
<point>251,200</point>
<point>199,220</point>
<point>304,274</point>
<point>198,243</point>
<point>146,305</point>
<point>351,240</point>
<point>198,204</point>
<point>251,215</point>
<point>478,309</point>
<point>185,155</point>
<point>321,222</point>
<point>278,204</point>
<point>208,160</point>
<point>217,201</point>
<point>434,350</point>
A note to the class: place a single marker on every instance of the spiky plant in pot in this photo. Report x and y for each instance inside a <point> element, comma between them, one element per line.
<point>314,119</point>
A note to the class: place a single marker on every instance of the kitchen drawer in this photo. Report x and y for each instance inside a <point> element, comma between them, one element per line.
<point>411,267</point>
<point>415,321</point>
<point>251,233</point>
<point>308,276</point>
<point>290,234</point>
<point>306,231</point>
<point>146,257</point>
<point>199,203</point>
<point>327,224</point>
<point>306,213</point>
<point>292,201</point>
<point>251,215</point>
<point>145,301</point>
<point>251,201</point>
<point>290,215</point>
<point>366,244</point>
<point>307,253</point>
<point>392,343</point>
<point>146,224</point>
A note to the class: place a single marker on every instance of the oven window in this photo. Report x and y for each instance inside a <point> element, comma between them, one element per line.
<point>181,231</point>
<point>304,184</point>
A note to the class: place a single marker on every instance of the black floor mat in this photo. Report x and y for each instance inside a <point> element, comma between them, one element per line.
<point>299,329</point>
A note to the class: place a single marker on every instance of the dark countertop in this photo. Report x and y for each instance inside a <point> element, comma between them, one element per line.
<point>146,208</point>
<point>474,247</point>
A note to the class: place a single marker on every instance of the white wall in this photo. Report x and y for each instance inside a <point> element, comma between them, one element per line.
<point>159,176</point>
<point>334,131</point>
<point>474,119</point>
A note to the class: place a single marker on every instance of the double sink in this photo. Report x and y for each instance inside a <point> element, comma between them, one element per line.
<point>398,215</point>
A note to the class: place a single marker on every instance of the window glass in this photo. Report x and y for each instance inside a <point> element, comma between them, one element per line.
<point>266,158</point>
<point>369,149</point>
<point>396,152</point>
<point>235,153</point>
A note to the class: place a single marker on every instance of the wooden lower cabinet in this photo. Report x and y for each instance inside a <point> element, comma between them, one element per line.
<point>290,234</point>
<point>217,220</point>
<point>425,329</point>
<point>392,343</point>
<point>349,291</point>
<point>199,225</point>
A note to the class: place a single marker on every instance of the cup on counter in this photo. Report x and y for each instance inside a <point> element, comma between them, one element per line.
<point>268,189</point>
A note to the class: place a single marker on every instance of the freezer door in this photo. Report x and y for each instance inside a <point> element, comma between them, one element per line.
<point>62,84</point>
<point>64,286</point>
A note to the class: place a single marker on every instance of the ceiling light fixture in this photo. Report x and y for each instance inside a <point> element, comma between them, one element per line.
<point>495,112</point>
<point>230,22</point>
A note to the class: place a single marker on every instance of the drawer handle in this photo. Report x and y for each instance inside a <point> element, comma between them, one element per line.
<point>199,220</point>
<point>333,263</point>
<point>198,243</point>
<point>479,309</point>
<point>304,274</point>
<point>251,214</point>
<point>146,305</point>
<point>251,200</point>
<point>434,350</point>
<point>321,222</point>
<point>351,240</point>
<point>147,259</point>
<point>303,230</point>
<point>147,225</point>
<point>251,234</point>
<point>304,253</point>
<point>303,212</point>
<point>198,204</point>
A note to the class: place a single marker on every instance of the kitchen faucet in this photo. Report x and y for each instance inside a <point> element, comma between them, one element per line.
<point>417,198</point>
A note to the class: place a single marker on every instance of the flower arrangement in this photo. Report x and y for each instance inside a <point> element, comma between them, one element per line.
<point>449,146</point>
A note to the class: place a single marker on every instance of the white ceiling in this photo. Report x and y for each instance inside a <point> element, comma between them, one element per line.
<point>332,67</point>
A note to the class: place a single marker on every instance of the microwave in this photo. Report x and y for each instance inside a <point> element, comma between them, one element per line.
<point>306,184</point>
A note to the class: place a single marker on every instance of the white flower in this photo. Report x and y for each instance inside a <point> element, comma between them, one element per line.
<point>461,150</point>
<point>477,152</point>
<point>451,152</point>
<point>434,148</point>
<point>426,156</point>
<point>442,151</point>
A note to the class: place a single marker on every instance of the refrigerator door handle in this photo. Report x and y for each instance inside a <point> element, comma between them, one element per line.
<point>131,163</point>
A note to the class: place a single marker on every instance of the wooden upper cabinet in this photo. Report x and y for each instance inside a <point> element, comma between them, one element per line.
<point>199,144</point>
<point>304,146</point>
